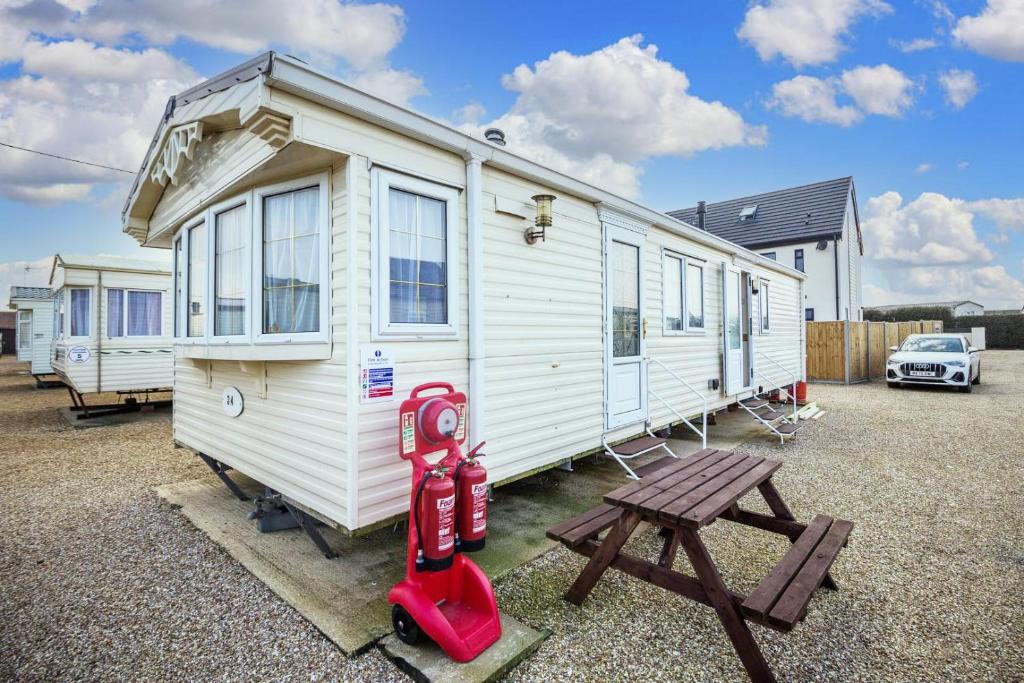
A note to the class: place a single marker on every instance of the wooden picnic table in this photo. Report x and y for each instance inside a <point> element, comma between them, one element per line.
<point>684,495</point>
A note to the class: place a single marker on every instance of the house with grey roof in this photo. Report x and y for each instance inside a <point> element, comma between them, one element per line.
<point>814,228</point>
<point>958,309</point>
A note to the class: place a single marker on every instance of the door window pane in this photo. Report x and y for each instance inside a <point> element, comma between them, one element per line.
<point>80,312</point>
<point>695,296</point>
<point>625,300</point>
<point>24,329</point>
<point>115,312</point>
<point>231,272</point>
<point>197,280</point>
<point>732,311</point>
<point>179,279</point>
<point>418,259</point>
<point>291,258</point>
<point>144,313</point>
<point>673,293</point>
<point>764,306</point>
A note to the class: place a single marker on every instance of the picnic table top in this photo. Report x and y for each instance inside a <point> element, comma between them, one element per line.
<point>693,491</point>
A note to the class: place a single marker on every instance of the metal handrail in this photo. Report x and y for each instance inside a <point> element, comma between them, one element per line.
<point>792,397</point>
<point>703,432</point>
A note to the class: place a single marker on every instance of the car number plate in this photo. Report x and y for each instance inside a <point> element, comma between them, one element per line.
<point>921,373</point>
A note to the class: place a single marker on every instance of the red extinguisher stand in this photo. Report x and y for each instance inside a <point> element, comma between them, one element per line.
<point>444,594</point>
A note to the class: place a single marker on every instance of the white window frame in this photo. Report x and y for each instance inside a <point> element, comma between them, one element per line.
<point>24,341</point>
<point>382,181</point>
<point>319,180</point>
<point>67,316</point>
<point>177,319</point>
<point>764,305</point>
<point>124,313</point>
<point>211,229</point>
<point>685,261</point>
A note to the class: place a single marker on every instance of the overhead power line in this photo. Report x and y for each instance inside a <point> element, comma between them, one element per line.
<point>63,158</point>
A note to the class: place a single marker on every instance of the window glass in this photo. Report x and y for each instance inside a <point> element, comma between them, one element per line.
<point>144,312</point>
<point>179,278</point>
<point>58,314</point>
<point>808,314</point>
<point>115,312</point>
<point>80,318</point>
<point>732,311</point>
<point>695,296</point>
<point>230,272</point>
<point>798,260</point>
<point>764,306</point>
<point>769,254</point>
<point>673,293</point>
<point>196,280</point>
<point>24,329</point>
<point>418,259</point>
<point>291,262</point>
<point>625,300</point>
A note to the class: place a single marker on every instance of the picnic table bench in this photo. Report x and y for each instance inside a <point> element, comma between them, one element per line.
<point>683,495</point>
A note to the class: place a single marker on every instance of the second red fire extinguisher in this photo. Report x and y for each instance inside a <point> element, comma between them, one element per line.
<point>471,505</point>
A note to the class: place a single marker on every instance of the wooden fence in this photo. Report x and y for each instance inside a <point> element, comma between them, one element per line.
<point>853,351</point>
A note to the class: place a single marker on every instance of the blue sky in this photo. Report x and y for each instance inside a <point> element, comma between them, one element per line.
<point>666,102</point>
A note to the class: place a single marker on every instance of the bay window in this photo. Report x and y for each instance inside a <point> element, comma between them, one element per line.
<point>415,237</point>
<point>134,313</point>
<point>80,312</point>
<point>683,297</point>
<point>259,260</point>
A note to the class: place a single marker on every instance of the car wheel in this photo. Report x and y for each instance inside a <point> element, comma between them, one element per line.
<point>893,385</point>
<point>965,389</point>
<point>977,380</point>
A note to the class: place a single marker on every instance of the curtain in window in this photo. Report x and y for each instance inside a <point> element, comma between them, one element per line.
<point>695,295</point>
<point>179,278</point>
<point>673,293</point>
<point>143,314</point>
<point>291,262</point>
<point>115,312</point>
<point>418,259</point>
<point>230,272</point>
<point>196,280</point>
<point>80,312</point>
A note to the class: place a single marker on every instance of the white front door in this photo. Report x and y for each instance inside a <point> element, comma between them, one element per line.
<point>625,372</point>
<point>732,332</point>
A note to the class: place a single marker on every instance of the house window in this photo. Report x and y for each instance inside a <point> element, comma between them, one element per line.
<point>80,312</point>
<point>231,271</point>
<point>798,260</point>
<point>770,254</point>
<point>684,294</point>
<point>179,279</point>
<point>58,314</point>
<point>134,313</point>
<point>197,280</point>
<point>763,304</point>
<point>808,314</point>
<point>291,262</point>
<point>24,329</point>
<point>416,233</point>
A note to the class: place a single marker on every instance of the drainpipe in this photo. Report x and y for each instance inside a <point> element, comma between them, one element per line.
<point>835,254</point>
<point>474,216</point>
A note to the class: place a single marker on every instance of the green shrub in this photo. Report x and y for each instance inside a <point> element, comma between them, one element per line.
<point>912,313</point>
<point>1001,331</point>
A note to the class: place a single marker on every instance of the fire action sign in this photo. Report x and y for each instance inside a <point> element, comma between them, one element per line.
<point>377,374</point>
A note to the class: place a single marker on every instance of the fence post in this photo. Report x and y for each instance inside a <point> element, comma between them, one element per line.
<point>846,350</point>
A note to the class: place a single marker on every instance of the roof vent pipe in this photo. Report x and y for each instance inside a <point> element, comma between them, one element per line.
<point>495,135</point>
<point>701,212</point>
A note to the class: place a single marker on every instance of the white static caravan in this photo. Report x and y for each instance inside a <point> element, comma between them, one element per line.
<point>112,324</point>
<point>355,236</point>
<point>35,327</point>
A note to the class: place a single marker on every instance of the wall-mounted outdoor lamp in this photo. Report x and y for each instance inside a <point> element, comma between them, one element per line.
<point>543,219</point>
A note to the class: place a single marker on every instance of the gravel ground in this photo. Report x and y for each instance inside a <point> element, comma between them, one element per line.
<point>100,580</point>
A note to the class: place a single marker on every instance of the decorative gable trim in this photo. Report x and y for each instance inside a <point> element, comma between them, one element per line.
<point>180,144</point>
<point>622,220</point>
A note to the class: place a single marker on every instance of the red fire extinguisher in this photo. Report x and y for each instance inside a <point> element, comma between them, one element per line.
<point>435,521</point>
<point>471,504</point>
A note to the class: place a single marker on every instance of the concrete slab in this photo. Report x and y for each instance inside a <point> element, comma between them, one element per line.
<point>427,663</point>
<point>346,598</point>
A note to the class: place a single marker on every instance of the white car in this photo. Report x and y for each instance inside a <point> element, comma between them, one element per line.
<point>936,359</point>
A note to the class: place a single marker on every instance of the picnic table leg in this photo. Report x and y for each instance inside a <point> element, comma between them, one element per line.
<point>669,549</point>
<point>728,611</point>
<point>782,511</point>
<point>603,557</point>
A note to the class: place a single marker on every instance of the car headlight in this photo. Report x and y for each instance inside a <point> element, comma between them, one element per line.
<point>956,363</point>
<point>892,362</point>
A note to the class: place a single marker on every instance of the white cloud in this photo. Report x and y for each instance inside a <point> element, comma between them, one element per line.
<point>1006,213</point>
<point>804,32</point>
<point>962,166</point>
<point>997,32</point>
<point>879,89</point>
<point>598,115</point>
<point>991,286</point>
<point>23,274</point>
<point>391,84</point>
<point>915,45</point>
<point>469,113</point>
<point>922,168</point>
<point>813,100</point>
<point>960,85</point>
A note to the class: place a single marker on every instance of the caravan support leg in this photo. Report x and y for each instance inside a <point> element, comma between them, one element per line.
<point>221,470</point>
<point>308,525</point>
